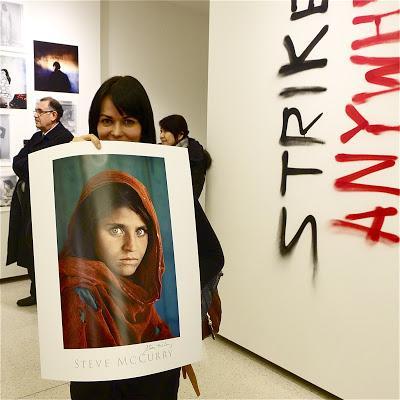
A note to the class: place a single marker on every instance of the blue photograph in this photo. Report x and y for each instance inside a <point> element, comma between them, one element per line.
<point>56,67</point>
<point>115,246</point>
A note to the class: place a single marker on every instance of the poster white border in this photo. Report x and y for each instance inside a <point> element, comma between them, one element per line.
<point>118,362</point>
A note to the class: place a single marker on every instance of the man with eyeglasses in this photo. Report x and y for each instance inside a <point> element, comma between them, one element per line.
<point>47,114</point>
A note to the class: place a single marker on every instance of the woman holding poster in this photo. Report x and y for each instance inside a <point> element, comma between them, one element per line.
<point>121,110</point>
<point>113,262</point>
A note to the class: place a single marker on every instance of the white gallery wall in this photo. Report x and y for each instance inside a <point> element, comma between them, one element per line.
<point>327,308</point>
<point>75,23</point>
<point>164,44</point>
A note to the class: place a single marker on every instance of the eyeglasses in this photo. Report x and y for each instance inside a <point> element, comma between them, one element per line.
<point>40,112</point>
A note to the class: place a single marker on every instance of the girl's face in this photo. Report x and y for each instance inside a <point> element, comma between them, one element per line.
<point>114,126</point>
<point>167,138</point>
<point>121,241</point>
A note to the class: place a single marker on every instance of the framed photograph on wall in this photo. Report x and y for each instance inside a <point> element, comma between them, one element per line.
<point>5,156</point>
<point>12,81</point>
<point>56,67</point>
<point>11,26</point>
<point>69,116</point>
<point>7,185</point>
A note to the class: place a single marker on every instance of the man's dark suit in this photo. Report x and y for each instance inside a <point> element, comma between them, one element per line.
<point>20,246</point>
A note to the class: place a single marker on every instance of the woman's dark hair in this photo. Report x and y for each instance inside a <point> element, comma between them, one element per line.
<point>175,124</point>
<point>130,98</point>
<point>7,75</point>
<point>100,203</point>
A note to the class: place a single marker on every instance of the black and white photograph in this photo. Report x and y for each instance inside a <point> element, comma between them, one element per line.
<point>7,186</point>
<point>12,81</point>
<point>11,25</point>
<point>4,139</point>
<point>69,116</point>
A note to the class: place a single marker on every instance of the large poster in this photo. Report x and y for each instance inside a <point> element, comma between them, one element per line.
<point>122,245</point>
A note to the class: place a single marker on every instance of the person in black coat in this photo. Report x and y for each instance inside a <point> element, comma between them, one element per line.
<point>51,133</point>
<point>121,111</point>
<point>174,132</point>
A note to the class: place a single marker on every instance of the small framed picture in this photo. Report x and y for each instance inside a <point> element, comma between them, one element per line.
<point>69,116</point>
<point>7,186</point>
<point>12,81</point>
<point>5,156</point>
<point>11,37</point>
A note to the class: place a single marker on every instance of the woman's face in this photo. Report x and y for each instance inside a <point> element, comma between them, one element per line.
<point>114,126</point>
<point>121,241</point>
<point>167,138</point>
<point>3,74</point>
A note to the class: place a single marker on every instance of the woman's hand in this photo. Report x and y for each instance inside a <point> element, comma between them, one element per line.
<point>89,137</point>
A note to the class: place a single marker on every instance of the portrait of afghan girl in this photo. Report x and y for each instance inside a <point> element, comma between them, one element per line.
<point>111,266</point>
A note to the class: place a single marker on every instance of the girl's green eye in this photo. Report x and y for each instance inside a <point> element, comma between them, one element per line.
<point>141,232</point>
<point>116,231</point>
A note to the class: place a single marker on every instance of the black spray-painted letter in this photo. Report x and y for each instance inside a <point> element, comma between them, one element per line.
<point>293,171</point>
<point>322,8</point>
<point>285,250</point>
<point>296,140</point>
<point>299,63</point>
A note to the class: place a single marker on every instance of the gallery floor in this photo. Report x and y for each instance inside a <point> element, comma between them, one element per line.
<point>226,372</point>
